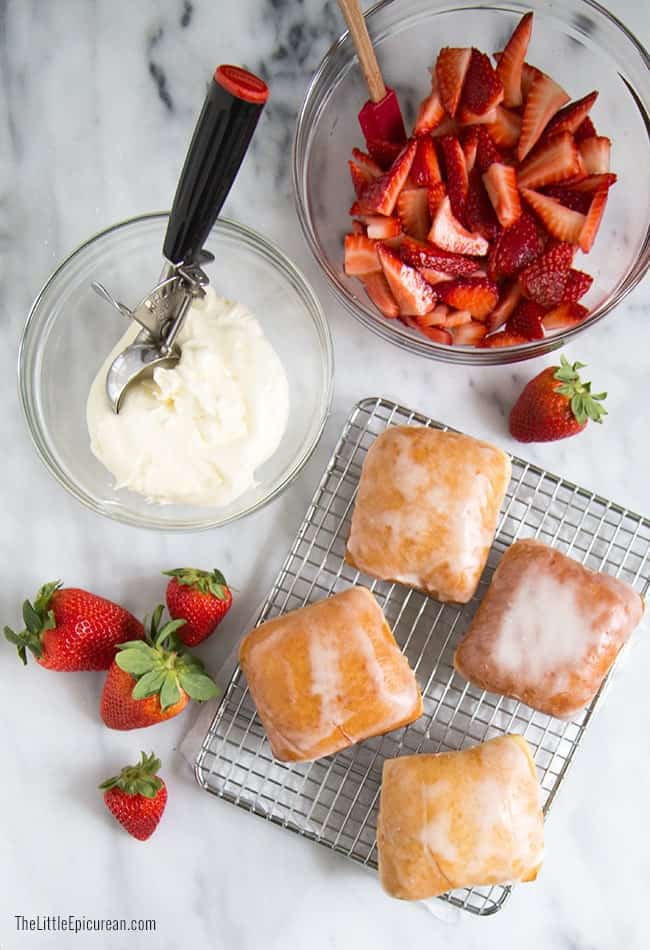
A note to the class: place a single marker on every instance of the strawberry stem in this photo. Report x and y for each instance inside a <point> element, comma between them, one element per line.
<point>139,779</point>
<point>585,405</point>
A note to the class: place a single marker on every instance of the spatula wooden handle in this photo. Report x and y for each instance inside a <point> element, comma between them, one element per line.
<point>368,61</point>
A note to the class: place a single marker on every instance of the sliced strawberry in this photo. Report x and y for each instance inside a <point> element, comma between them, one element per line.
<point>465,116</point>
<point>512,59</point>
<point>564,316</point>
<point>366,163</point>
<point>413,212</point>
<point>515,248</point>
<point>469,141</point>
<point>451,69</point>
<point>560,222</point>
<point>544,281</point>
<point>376,286</point>
<point>595,154</point>
<point>380,197</point>
<point>501,185</point>
<point>411,291</point>
<point>509,298</point>
<point>360,255</point>
<point>384,153</point>
<point>486,151</point>
<point>360,178</point>
<point>433,276</point>
<point>436,317</point>
<point>576,200</point>
<point>438,335</point>
<point>425,170</point>
<point>502,338</point>
<point>479,295</point>
<point>555,159</point>
<point>358,227</point>
<point>528,75</point>
<point>543,101</point>
<point>436,193</point>
<point>527,320</point>
<point>468,334</point>
<point>430,113</point>
<point>457,318</point>
<point>585,130</point>
<point>449,234</point>
<point>593,183</point>
<point>455,174</point>
<point>577,285</point>
<point>421,254</point>
<point>506,128</point>
<point>571,117</point>
<point>479,213</point>
<point>592,221</point>
<point>482,90</point>
<point>379,227</point>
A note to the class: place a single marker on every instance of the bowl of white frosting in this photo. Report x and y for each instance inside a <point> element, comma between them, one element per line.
<point>207,440</point>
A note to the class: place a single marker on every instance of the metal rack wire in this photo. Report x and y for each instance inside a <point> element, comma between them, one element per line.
<point>334,801</point>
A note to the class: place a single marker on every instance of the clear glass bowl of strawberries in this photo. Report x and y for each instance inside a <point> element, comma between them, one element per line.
<point>515,213</point>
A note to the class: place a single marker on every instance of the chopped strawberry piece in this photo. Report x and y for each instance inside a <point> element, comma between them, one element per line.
<point>482,90</point>
<point>595,154</point>
<point>435,318</point>
<point>555,159</point>
<point>380,197</point>
<point>544,281</point>
<point>479,213</point>
<point>585,130</point>
<point>508,300</point>
<point>424,255</point>
<point>433,276</point>
<point>451,69</point>
<point>384,153</point>
<point>455,174</point>
<point>515,248</point>
<point>527,320</point>
<point>570,117</point>
<point>502,338</point>
<point>501,185</point>
<point>506,128</point>
<point>486,151</point>
<point>458,318</point>
<point>468,334</point>
<point>564,316</point>
<point>512,59</point>
<point>528,75</point>
<point>577,285</point>
<point>413,212</point>
<point>430,113</point>
<point>592,221</point>
<point>360,255</point>
<point>379,227</point>
<point>360,178</point>
<point>465,116</point>
<point>436,193</point>
<point>594,183</point>
<point>449,234</point>
<point>411,291</point>
<point>543,101</point>
<point>469,141</point>
<point>438,335</point>
<point>358,227</point>
<point>479,295</point>
<point>561,222</point>
<point>576,200</point>
<point>377,288</point>
<point>366,163</point>
<point>425,170</point>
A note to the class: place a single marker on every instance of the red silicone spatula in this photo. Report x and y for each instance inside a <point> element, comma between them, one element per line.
<point>380,118</point>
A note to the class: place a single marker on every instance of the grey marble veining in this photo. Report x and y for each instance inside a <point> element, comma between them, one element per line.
<point>97,100</point>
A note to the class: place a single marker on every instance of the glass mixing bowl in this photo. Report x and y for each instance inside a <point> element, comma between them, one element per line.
<point>577,42</point>
<point>70,331</point>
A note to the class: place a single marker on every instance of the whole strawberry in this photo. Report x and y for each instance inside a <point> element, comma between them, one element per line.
<point>555,404</point>
<point>200,598</point>
<point>137,797</point>
<point>70,629</point>
<point>153,679</point>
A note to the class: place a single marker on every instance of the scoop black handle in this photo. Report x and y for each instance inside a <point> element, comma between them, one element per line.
<point>232,107</point>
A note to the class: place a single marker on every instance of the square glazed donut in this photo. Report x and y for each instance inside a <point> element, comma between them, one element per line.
<point>548,630</point>
<point>426,510</point>
<point>327,676</point>
<point>459,819</point>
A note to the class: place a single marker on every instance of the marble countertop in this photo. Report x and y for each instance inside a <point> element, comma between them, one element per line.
<point>97,99</point>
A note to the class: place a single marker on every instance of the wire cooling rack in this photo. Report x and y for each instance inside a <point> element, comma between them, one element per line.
<point>334,801</point>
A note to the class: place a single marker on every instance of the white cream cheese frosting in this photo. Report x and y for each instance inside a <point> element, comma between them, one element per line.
<point>195,433</point>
